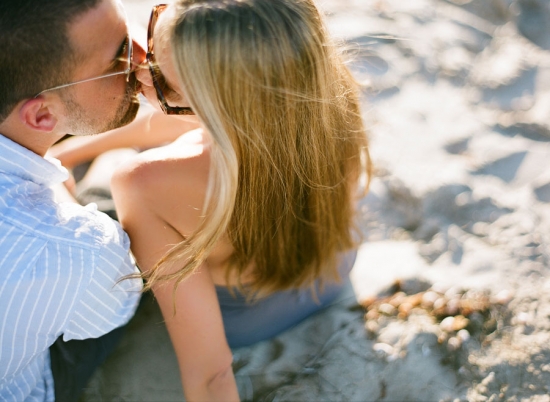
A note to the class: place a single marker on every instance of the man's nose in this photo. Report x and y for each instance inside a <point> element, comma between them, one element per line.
<point>139,55</point>
<point>143,75</point>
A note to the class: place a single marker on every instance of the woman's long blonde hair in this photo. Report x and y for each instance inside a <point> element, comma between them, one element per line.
<point>289,141</point>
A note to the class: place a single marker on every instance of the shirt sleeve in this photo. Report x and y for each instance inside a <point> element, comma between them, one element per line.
<point>110,297</point>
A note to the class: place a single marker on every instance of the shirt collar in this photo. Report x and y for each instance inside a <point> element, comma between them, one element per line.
<point>19,161</point>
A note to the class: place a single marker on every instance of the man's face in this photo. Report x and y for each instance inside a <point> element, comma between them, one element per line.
<point>98,38</point>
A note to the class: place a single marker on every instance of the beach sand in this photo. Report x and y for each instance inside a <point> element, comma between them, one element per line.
<point>452,274</point>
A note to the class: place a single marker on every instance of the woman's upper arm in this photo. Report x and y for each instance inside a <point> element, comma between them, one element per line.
<point>150,129</point>
<point>196,326</point>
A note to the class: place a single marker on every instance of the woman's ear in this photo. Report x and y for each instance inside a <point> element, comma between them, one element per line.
<point>36,114</point>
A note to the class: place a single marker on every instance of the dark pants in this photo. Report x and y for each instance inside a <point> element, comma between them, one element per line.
<point>74,362</point>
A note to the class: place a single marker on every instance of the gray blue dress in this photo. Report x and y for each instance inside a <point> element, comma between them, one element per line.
<point>246,323</point>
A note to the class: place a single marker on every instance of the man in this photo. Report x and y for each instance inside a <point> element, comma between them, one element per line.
<point>65,67</point>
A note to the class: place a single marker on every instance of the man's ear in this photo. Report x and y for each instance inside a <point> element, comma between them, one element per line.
<point>35,114</point>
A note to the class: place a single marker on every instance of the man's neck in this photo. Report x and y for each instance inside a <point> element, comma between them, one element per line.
<point>35,141</point>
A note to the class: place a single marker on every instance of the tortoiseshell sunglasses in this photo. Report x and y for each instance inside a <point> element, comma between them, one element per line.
<point>156,74</point>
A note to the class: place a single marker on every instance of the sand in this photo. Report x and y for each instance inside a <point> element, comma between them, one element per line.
<point>457,101</point>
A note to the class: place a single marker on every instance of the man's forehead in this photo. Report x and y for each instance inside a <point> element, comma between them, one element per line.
<point>98,28</point>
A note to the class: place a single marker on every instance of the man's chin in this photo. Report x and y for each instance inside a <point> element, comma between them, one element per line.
<point>125,117</point>
<point>131,112</point>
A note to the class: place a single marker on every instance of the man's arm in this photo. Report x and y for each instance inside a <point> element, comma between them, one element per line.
<point>110,296</point>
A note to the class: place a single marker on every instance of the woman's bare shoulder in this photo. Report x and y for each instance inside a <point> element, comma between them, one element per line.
<point>170,180</point>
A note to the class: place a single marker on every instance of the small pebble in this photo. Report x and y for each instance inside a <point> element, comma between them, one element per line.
<point>372,314</point>
<point>440,303</point>
<point>398,299</point>
<point>460,322</point>
<point>387,309</point>
<point>454,343</point>
<point>463,335</point>
<point>383,349</point>
<point>453,306</point>
<point>447,324</point>
<point>372,326</point>
<point>503,297</point>
<point>428,299</point>
<point>453,292</point>
<point>405,308</point>
<point>522,318</point>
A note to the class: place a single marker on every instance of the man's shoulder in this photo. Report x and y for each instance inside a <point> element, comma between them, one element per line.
<point>73,247</point>
<point>67,224</point>
<point>89,225</point>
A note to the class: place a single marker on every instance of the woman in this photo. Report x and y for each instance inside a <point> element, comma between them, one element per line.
<point>244,226</point>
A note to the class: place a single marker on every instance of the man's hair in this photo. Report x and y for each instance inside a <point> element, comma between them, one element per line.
<point>35,50</point>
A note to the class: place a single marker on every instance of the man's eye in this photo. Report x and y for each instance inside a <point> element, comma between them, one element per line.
<point>119,64</point>
<point>121,61</point>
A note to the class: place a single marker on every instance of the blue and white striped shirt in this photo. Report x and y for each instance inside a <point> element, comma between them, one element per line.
<point>59,270</point>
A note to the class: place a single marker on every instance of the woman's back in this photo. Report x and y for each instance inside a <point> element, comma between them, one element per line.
<point>182,167</point>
